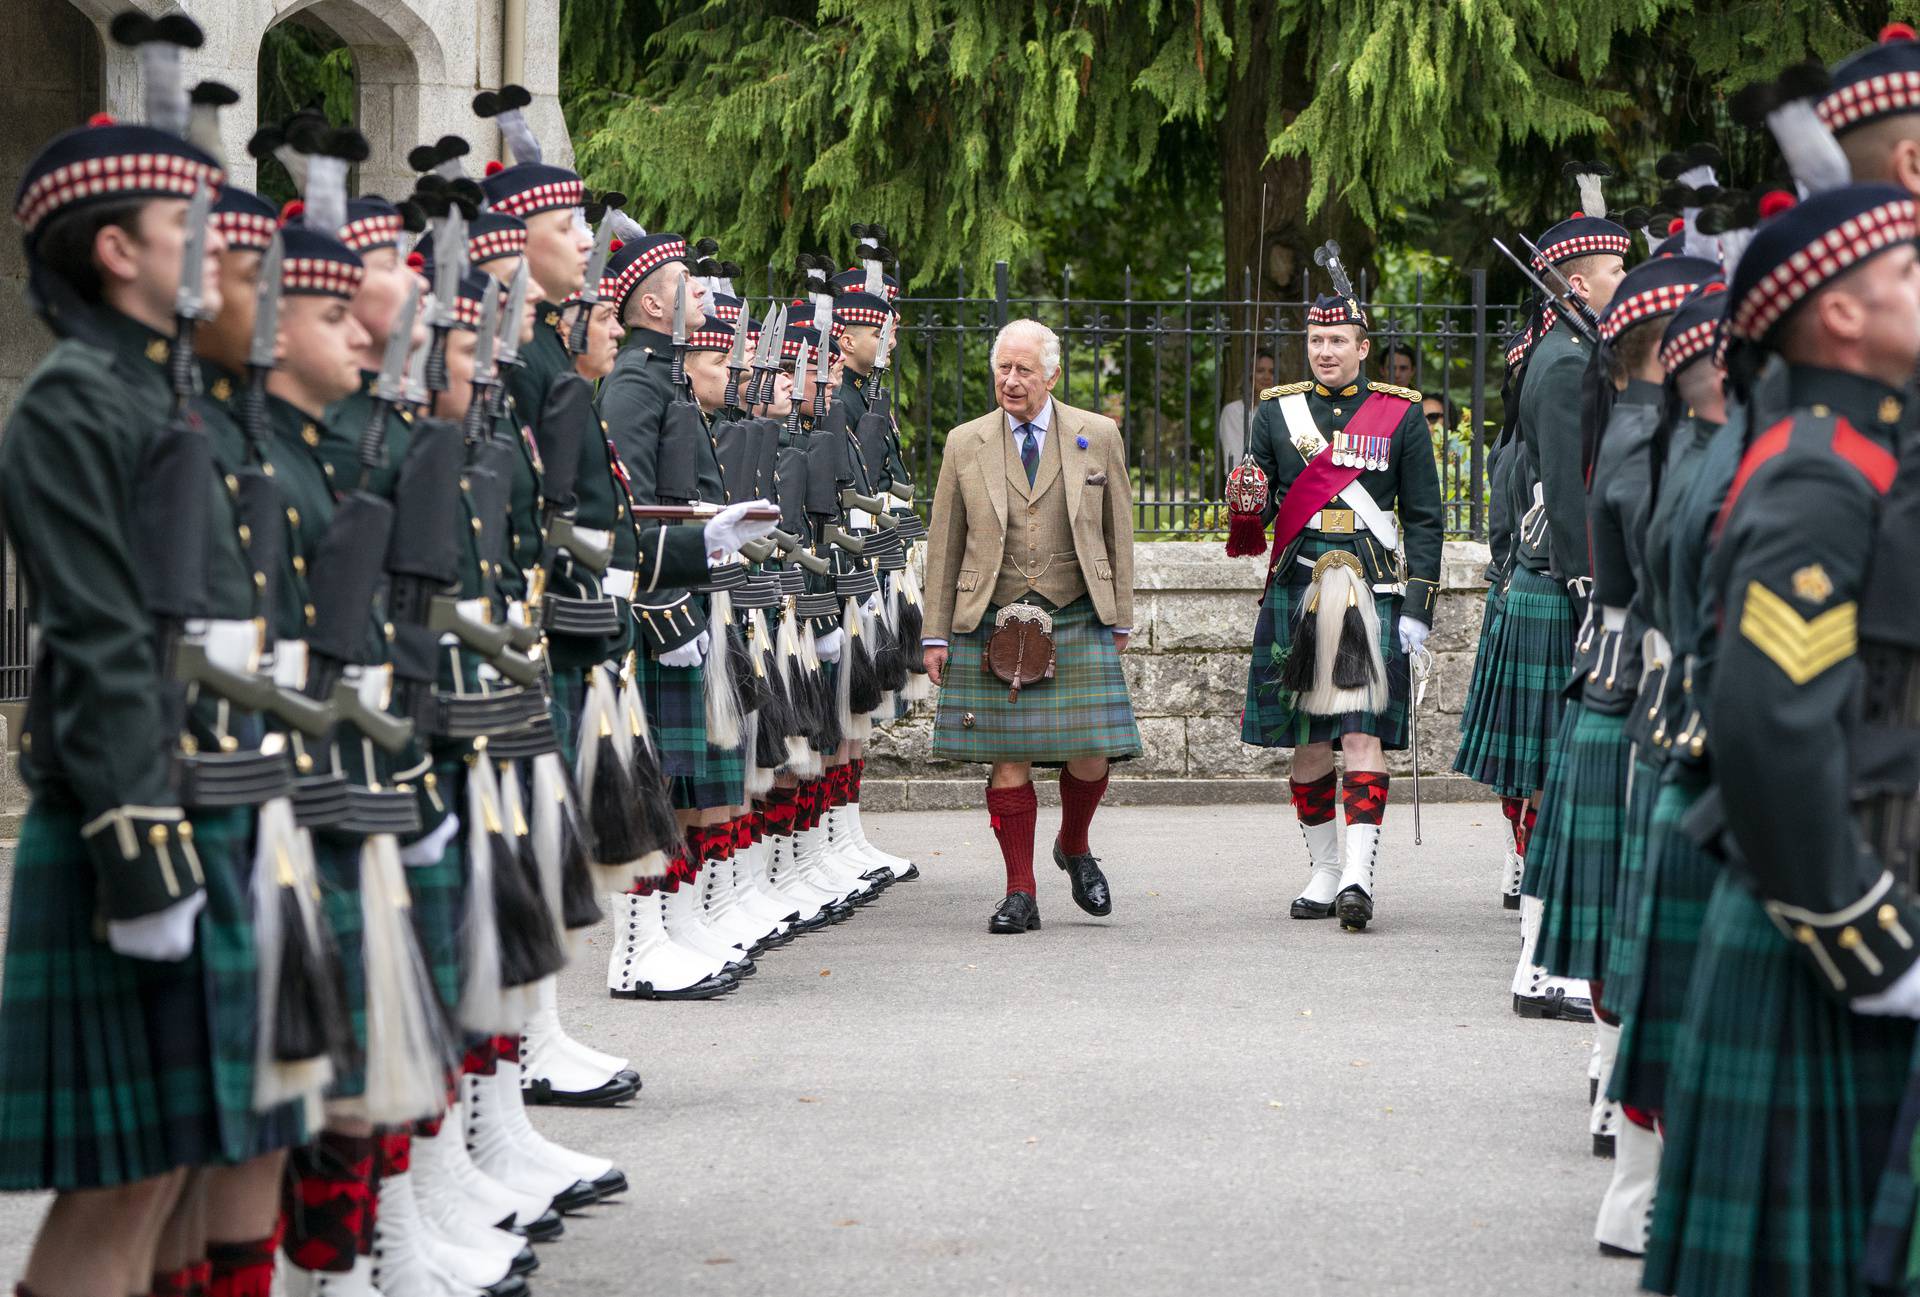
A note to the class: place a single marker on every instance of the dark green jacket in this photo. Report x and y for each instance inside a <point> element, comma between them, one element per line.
<point>1790,569</point>
<point>1550,397</point>
<point>1409,483</point>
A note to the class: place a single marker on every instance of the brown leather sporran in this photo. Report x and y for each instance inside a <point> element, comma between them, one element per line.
<point>1020,651</point>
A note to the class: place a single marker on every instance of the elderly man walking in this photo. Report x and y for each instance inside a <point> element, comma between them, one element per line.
<point>1034,512</point>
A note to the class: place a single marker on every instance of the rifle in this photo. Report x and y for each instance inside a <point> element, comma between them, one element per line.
<point>1574,319</point>
<point>1562,286</point>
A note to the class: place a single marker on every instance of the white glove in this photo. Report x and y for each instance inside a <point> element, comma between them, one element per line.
<point>872,605</point>
<point>1901,1000</point>
<point>690,654</point>
<point>729,529</point>
<point>428,848</point>
<point>828,645</point>
<point>166,935</point>
<point>1413,634</point>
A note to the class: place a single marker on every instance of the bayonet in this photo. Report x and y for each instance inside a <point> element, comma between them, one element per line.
<point>262,350</point>
<point>508,349</point>
<point>737,357</point>
<point>823,327</point>
<point>1574,319</point>
<point>390,388</point>
<point>680,333</point>
<point>1561,284</point>
<point>799,387</point>
<point>483,373</point>
<point>596,267</point>
<point>767,356</point>
<point>417,391</point>
<point>189,301</point>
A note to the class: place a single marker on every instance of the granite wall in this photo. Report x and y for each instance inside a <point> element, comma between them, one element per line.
<point>1187,664</point>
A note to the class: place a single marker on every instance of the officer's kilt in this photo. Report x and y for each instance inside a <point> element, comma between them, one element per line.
<point>676,704</point>
<point>1779,1112</point>
<point>1269,719</point>
<point>1084,711</point>
<point>114,1070</point>
<point>1626,938</point>
<point>1573,857</point>
<point>1511,746</point>
<point>1473,718</point>
<point>1678,879</point>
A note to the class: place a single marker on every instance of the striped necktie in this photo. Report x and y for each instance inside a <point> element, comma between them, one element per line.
<point>1029,452</point>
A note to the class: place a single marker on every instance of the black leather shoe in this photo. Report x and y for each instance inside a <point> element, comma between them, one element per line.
<point>1556,1006</point>
<point>1090,890</point>
<point>1302,908</point>
<point>706,988</point>
<point>526,1263</point>
<point>1355,909</point>
<point>913,872</point>
<point>545,1228</point>
<point>1018,913</point>
<point>1603,1146</point>
<point>1511,901</point>
<point>512,1286</point>
<point>617,1089</point>
<point>584,1193</point>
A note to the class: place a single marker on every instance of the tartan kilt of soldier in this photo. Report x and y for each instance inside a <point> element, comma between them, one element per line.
<point>1084,711</point>
<point>1626,938</point>
<point>337,859</point>
<point>1270,719</point>
<point>566,699</point>
<point>1780,1109</point>
<point>438,890</point>
<point>1473,716</point>
<point>1532,662</point>
<point>1573,857</point>
<point>1673,901</point>
<point>112,1069</point>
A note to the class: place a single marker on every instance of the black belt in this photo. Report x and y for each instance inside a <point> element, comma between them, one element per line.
<point>219,779</point>
<point>581,618</point>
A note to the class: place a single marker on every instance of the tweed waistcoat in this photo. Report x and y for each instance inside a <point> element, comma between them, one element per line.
<point>1038,557</point>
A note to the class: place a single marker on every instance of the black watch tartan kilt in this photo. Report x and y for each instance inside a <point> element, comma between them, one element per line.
<point>1626,938</point>
<point>1673,904</point>
<point>1573,856</point>
<point>1780,1109</point>
<point>1510,745</point>
<point>1269,718</point>
<point>112,1069</point>
<point>1084,711</point>
<point>1473,716</point>
<point>337,859</point>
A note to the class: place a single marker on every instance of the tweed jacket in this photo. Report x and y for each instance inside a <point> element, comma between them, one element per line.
<point>967,540</point>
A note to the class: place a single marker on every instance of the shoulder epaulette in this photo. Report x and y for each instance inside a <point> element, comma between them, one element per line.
<point>1405,393</point>
<point>1285,389</point>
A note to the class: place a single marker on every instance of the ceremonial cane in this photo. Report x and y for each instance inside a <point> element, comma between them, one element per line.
<point>1420,666</point>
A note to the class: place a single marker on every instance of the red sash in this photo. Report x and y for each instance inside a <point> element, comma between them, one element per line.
<point>1323,480</point>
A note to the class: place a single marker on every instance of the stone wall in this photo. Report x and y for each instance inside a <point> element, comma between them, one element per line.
<point>1187,665</point>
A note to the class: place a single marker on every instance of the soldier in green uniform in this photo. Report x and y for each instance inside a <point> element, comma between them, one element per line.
<point>1798,1037</point>
<point>1546,590</point>
<point>1349,599</point>
<point>126,1022</point>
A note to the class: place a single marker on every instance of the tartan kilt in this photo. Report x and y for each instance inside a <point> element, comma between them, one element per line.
<point>1626,938</point>
<point>337,858</point>
<point>439,890</point>
<point>566,699</point>
<point>722,781</point>
<point>1084,711</point>
<point>1480,685</point>
<point>1269,719</point>
<point>676,703</point>
<point>1512,744</point>
<point>114,1070</point>
<point>1573,857</point>
<point>1673,902</point>
<point>1780,1108</point>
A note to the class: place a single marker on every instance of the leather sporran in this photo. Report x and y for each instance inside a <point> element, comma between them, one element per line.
<point>1020,651</point>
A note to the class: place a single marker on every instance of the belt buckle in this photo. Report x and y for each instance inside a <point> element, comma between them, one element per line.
<point>1338,522</point>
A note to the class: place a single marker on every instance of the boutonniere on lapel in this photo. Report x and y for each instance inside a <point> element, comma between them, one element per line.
<point>1081,442</point>
<point>1096,479</point>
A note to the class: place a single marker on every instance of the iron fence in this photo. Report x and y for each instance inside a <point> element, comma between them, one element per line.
<point>1170,370</point>
<point>16,656</point>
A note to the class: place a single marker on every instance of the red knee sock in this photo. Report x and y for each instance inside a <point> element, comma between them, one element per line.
<point>242,1269</point>
<point>1313,800</point>
<point>1365,796</point>
<point>1012,812</point>
<point>187,1281</point>
<point>480,1058</point>
<point>857,770</point>
<point>1079,799</point>
<point>1515,809</point>
<point>1525,835</point>
<point>326,1202</point>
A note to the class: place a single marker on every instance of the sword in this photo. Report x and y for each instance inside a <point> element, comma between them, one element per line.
<point>1567,313</point>
<point>1562,285</point>
<point>1420,664</point>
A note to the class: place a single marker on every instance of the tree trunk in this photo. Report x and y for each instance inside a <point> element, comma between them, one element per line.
<point>1264,97</point>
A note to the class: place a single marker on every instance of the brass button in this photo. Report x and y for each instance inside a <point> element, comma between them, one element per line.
<point>293,516</point>
<point>259,580</point>
<point>329,469</point>
<point>1805,935</point>
<point>310,435</point>
<point>1887,916</point>
<point>299,566</point>
<point>476,526</point>
<point>233,485</point>
<point>310,614</point>
<point>266,469</point>
<point>389,630</point>
<point>185,830</point>
<point>1849,938</point>
<point>303,763</point>
<point>157,835</point>
<point>246,534</point>
<point>228,743</point>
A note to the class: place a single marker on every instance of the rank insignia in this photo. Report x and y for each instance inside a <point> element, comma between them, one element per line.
<point>1801,647</point>
<point>1811,584</point>
<point>1889,409</point>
